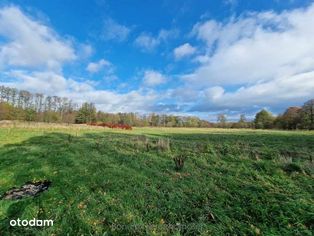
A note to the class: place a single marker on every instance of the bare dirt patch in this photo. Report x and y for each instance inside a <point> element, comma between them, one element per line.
<point>29,189</point>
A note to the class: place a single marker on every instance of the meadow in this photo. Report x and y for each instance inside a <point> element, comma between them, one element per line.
<point>114,182</point>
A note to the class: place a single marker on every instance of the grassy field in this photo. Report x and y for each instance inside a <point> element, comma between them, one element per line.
<point>109,182</point>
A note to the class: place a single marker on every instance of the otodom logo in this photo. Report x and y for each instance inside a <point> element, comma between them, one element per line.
<point>33,223</point>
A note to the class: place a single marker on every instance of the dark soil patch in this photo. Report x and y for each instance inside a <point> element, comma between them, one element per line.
<point>29,189</point>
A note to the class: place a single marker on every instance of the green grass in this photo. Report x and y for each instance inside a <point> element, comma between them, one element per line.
<point>236,182</point>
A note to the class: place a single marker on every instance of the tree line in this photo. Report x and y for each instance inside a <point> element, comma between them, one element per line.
<point>25,106</point>
<point>293,118</point>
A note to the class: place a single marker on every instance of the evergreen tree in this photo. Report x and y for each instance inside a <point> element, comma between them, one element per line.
<point>86,114</point>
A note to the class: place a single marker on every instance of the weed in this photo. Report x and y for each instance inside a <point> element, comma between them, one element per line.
<point>70,138</point>
<point>98,144</point>
<point>179,162</point>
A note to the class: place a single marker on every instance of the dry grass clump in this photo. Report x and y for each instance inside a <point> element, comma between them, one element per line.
<point>179,162</point>
<point>163,144</point>
<point>143,142</point>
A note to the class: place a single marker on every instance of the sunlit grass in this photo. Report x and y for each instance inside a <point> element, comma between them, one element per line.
<point>125,182</point>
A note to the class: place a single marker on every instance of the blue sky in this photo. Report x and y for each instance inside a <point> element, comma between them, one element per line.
<point>191,57</point>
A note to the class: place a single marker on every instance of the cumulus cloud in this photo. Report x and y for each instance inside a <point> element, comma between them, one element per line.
<point>153,78</point>
<point>42,82</point>
<point>214,93</point>
<point>110,101</point>
<point>285,91</point>
<point>183,51</point>
<point>115,31</point>
<point>147,42</point>
<point>30,43</point>
<point>52,83</point>
<point>258,47</point>
<point>94,67</point>
<point>267,58</point>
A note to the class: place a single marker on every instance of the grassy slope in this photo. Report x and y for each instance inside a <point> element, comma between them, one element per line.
<point>236,182</point>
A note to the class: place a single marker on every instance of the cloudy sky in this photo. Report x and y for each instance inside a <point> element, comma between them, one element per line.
<point>191,57</point>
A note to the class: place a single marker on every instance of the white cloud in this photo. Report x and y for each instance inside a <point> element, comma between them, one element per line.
<point>110,101</point>
<point>165,35</point>
<point>41,82</point>
<point>214,93</point>
<point>30,43</point>
<point>153,78</point>
<point>184,50</point>
<point>292,89</point>
<point>85,50</point>
<point>261,46</point>
<point>94,67</point>
<point>148,43</point>
<point>282,92</point>
<point>52,83</point>
<point>267,58</point>
<point>115,31</point>
<point>207,31</point>
<point>202,59</point>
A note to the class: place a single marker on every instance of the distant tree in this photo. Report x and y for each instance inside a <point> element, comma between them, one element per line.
<point>307,115</point>
<point>30,114</point>
<point>192,121</point>
<point>264,120</point>
<point>242,118</point>
<point>290,119</point>
<point>69,117</point>
<point>86,114</point>
<point>6,111</point>
<point>222,120</point>
<point>242,123</point>
<point>180,122</point>
<point>154,119</point>
<point>169,121</point>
